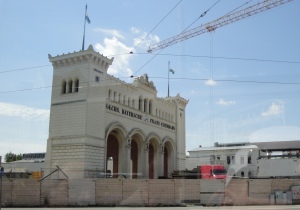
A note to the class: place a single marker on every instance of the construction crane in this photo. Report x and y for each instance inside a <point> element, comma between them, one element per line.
<point>222,21</point>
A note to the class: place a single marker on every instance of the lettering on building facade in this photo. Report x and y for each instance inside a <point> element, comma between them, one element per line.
<point>145,118</point>
<point>100,72</point>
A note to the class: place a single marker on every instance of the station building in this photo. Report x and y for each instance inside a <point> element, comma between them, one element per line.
<point>100,125</point>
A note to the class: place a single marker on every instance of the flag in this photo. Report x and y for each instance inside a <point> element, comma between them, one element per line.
<point>87,19</point>
<point>172,71</point>
<point>86,15</point>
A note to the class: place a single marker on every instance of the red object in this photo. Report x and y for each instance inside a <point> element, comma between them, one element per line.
<point>212,172</point>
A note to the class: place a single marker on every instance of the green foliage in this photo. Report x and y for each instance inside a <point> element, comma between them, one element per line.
<point>10,157</point>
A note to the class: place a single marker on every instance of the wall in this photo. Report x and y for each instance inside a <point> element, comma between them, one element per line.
<point>140,192</point>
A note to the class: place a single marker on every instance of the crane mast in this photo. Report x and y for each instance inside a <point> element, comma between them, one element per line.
<point>222,21</point>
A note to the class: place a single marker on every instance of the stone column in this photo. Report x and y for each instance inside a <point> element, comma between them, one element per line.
<point>146,161</point>
<point>127,159</point>
<point>160,164</point>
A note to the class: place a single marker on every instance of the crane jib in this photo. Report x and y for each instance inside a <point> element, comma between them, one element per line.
<point>222,21</point>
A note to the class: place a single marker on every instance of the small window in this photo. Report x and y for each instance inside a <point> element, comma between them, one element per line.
<point>129,101</point>
<point>76,86</point>
<point>70,84</point>
<point>242,174</point>
<point>97,79</point>
<point>242,160</point>
<point>228,160</point>
<point>232,160</point>
<point>249,160</point>
<point>140,103</point>
<point>109,94</point>
<point>64,87</point>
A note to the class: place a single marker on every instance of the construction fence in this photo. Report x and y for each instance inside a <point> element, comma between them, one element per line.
<point>140,192</point>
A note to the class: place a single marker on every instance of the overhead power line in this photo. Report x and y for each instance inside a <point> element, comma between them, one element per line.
<point>165,78</point>
<point>131,52</point>
<point>202,15</point>
<point>177,55</point>
<point>22,69</point>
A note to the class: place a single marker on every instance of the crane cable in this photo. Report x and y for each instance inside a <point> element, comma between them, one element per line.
<point>202,15</point>
<point>131,52</point>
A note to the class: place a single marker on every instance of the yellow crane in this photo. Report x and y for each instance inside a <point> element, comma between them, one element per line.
<point>222,21</point>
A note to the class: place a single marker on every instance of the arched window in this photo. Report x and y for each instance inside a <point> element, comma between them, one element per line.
<point>145,105</point>
<point>109,94</point>
<point>64,87</point>
<point>129,101</point>
<point>76,86</point>
<point>133,103</point>
<point>70,86</point>
<point>150,107</point>
<point>140,103</point>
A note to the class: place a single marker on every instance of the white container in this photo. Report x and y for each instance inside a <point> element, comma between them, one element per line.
<point>278,197</point>
<point>272,199</point>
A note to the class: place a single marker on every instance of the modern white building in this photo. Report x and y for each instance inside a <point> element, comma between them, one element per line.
<point>239,160</point>
<point>100,124</point>
<point>251,159</point>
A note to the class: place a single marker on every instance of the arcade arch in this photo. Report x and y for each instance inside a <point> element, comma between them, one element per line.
<point>169,158</point>
<point>115,142</point>
<point>134,155</point>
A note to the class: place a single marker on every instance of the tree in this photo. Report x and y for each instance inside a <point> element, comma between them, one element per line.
<point>9,157</point>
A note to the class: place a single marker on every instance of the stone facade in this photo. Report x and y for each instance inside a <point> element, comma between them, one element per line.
<point>96,118</point>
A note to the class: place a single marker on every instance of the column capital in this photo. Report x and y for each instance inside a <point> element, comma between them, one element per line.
<point>146,147</point>
<point>162,149</point>
<point>128,142</point>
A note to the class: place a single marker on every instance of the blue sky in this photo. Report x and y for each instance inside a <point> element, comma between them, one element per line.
<point>253,94</point>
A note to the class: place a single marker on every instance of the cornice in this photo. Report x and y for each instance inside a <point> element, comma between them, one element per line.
<point>80,57</point>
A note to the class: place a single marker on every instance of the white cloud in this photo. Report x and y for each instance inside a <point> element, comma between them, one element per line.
<point>135,30</point>
<point>111,32</point>
<point>145,40</point>
<point>222,102</point>
<point>274,109</point>
<point>210,82</point>
<point>14,110</point>
<point>113,46</point>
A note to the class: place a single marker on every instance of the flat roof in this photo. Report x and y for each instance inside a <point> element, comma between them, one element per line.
<point>270,146</point>
<point>278,145</point>
<point>223,148</point>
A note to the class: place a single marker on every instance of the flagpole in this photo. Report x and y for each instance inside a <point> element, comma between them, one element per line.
<point>168,78</point>
<point>84,27</point>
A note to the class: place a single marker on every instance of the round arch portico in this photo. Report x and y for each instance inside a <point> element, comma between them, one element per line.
<point>133,154</point>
